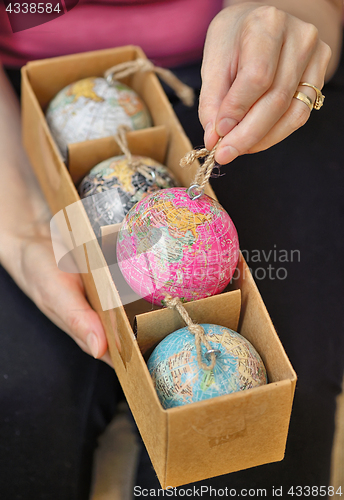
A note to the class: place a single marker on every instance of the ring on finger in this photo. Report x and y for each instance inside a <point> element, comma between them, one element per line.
<point>319,101</point>
<point>304,98</point>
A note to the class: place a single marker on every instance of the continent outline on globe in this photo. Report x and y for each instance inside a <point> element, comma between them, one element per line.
<point>179,380</point>
<point>113,187</point>
<point>196,255</point>
<point>91,108</point>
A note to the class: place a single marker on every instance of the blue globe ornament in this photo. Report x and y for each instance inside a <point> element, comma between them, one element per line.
<point>179,380</point>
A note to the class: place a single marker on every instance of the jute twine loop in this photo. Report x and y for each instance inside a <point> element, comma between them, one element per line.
<point>183,91</point>
<point>205,170</point>
<point>195,329</point>
<point>137,165</point>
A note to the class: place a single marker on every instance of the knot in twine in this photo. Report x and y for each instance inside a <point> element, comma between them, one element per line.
<point>205,170</point>
<point>119,71</point>
<point>137,165</point>
<point>195,329</point>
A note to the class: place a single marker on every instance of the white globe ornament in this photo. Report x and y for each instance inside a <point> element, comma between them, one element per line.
<point>93,108</point>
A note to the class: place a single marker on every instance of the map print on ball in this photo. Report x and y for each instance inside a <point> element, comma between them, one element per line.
<point>179,380</point>
<point>112,188</point>
<point>195,255</point>
<point>91,109</point>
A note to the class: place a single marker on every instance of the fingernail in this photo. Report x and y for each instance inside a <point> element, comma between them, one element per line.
<point>92,343</point>
<point>207,131</point>
<point>226,154</point>
<point>225,126</point>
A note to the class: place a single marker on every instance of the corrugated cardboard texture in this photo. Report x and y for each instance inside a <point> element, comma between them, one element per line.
<point>198,440</point>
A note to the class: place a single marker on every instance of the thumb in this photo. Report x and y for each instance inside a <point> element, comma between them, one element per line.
<point>67,306</point>
<point>216,81</point>
<point>209,105</point>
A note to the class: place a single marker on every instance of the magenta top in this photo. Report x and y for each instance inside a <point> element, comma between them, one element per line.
<point>171,32</point>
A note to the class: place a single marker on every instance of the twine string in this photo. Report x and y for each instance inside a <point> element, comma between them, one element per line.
<point>136,164</point>
<point>121,139</point>
<point>204,171</point>
<point>195,329</point>
<point>184,92</point>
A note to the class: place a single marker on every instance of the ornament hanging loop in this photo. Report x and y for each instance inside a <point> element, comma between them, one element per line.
<point>211,351</point>
<point>184,92</point>
<point>204,171</point>
<point>194,192</point>
<point>196,330</point>
<point>109,79</point>
<point>121,139</point>
<point>137,165</point>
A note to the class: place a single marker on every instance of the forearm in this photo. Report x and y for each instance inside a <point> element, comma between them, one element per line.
<point>326,15</point>
<point>24,212</point>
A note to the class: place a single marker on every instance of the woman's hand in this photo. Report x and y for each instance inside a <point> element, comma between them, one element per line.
<point>25,242</point>
<point>59,295</point>
<point>254,59</point>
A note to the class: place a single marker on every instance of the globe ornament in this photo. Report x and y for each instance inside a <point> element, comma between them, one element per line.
<point>178,378</point>
<point>93,108</point>
<point>172,244</point>
<point>115,185</point>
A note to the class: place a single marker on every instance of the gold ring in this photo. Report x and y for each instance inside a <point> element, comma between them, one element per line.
<point>304,98</point>
<point>319,101</point>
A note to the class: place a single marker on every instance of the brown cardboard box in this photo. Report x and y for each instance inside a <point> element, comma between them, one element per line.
<point>196,441</point>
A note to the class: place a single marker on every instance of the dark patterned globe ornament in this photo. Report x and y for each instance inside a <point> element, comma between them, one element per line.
<point>93,108</point>
<point>195,255</point>
<point>113,187</point>
<point>179,380</point>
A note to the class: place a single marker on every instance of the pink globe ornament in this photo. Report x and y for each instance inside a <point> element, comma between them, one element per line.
<point>172,244</point>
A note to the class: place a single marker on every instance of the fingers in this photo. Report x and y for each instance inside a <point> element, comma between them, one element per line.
<point>218,71</point>
<point>73,314</point>
<point>254,59</point>
<point>213,91</point>
<point>239,63</point>
<point>107,359</point>
<point>258,61</point>
<point>298,112</point>
<point>65,303</point>
<point>273,104</point>
<point>61,297</point>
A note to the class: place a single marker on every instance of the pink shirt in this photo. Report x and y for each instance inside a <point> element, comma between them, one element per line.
<point>171,32</point>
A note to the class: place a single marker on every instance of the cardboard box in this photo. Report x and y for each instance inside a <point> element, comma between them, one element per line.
<point>196,441</point>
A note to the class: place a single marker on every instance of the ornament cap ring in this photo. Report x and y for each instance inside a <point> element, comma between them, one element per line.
<point>109,79</point>
<point>211,351</point>
<point>192,191</point>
